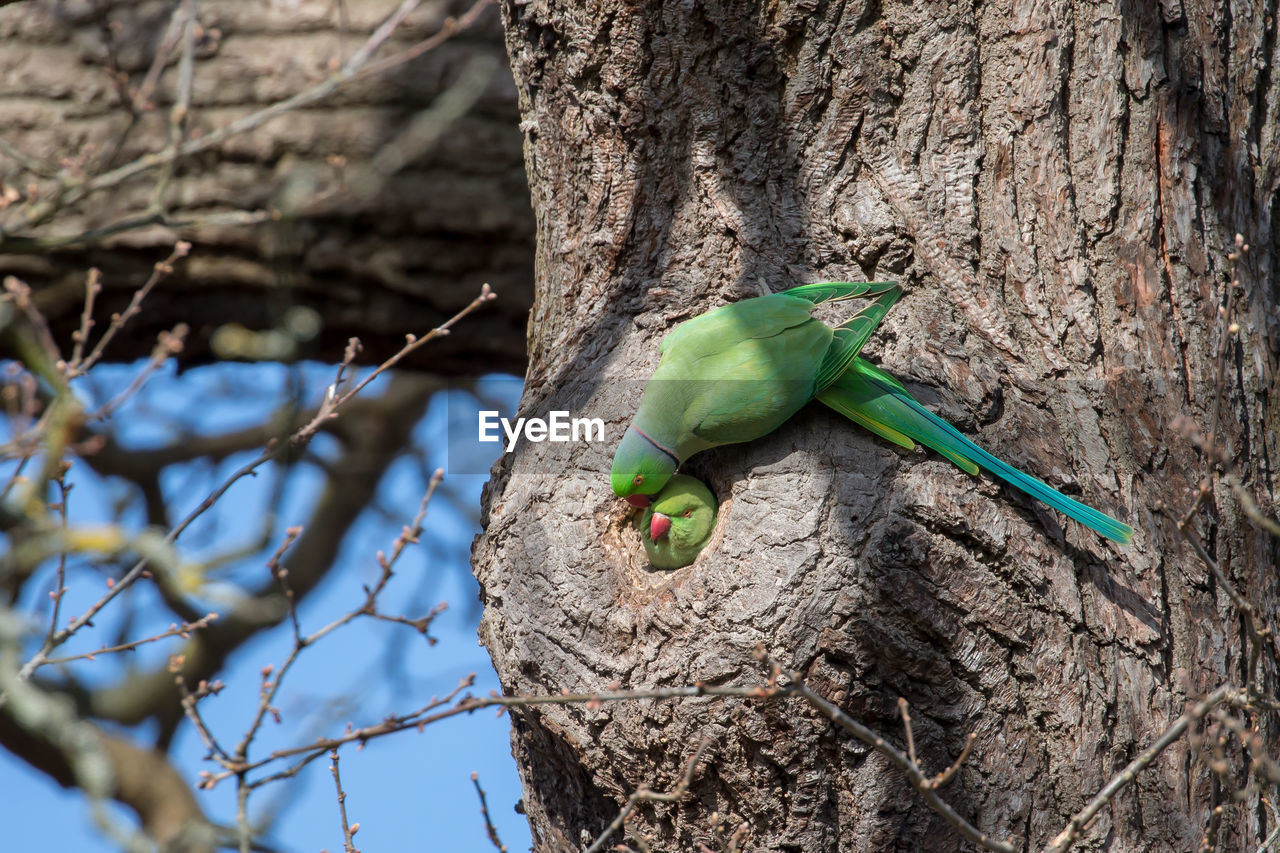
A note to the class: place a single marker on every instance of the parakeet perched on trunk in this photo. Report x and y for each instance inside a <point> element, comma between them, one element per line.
<point>738,372</point>
<point>679,522</point>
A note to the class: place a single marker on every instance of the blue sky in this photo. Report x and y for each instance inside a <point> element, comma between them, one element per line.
<point>408,791</point>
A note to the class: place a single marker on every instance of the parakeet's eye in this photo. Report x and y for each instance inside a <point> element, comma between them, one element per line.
<point>639,480</point>
<point>688,512</point>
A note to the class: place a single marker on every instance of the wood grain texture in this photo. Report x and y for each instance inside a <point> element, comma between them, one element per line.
<point>378,264</point>
<point>1057,186</point>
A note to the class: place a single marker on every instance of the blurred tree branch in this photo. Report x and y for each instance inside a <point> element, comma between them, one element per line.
<point>302,231</point>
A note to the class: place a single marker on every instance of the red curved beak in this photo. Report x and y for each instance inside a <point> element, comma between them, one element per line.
<point>638,501</point>
<point>658,526</point>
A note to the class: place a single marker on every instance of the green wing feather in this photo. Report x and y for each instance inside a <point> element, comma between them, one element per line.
<point>838,291</point>
<point>871,397</point>
<point>723,327</point>
<point>734,374</point>
<point>851,336</point>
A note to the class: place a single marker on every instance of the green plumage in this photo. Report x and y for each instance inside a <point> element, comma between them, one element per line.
<point>738,372</point>
<point>690,509</point>
<point>872,398</point>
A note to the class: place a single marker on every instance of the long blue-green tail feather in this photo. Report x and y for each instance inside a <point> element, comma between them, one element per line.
<point>874,399</point>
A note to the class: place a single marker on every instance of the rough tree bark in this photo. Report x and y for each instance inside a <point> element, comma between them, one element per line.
<point>82,91</point>
<point>1057,185</point>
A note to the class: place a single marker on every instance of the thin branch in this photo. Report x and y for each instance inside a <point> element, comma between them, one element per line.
<point>168,344</point>
<point>348,829</point>
<point>333,401</point>
<point>60,579</point>
<point>161,269</point>
<point>380,35</point>
<point>1267,845</point>
<point>1248,504</point>
<point>444,708</point>
<point>1065,839</point>
<point>190,702</point>
<point>184,631</point>
<point>1224,341</point>
<point>1263,766</point>
<point>1257,636</point>
<point>182,103</point>
<point>92,287</point>
<point>141,99</point>
<point>281,574</point>
<point>945,776</point>
<point>133,222</point>
<point>489,828</point>
<point>139,569</point>
<point>440,709</point>
<point>914,776</point>
<point>25,160</point>
<point>906,725</point>
<point>451,27</point>
<point>645,794</point>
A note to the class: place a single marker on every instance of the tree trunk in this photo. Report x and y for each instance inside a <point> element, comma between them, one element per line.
<point>1057,187</point>
<point>89,87</point>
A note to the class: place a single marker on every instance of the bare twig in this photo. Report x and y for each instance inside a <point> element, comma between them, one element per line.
<point>489,828</point>
<point>645,794</point>
<point>380,35</point>
<point>945,776</point>
<point>1065,839</point>
<point>26,161</point>
<point>1257,635</point>
<point>445,707</point>
<point>348,829</point>
<point>440,709</point>
<point>1217,456</point>
<point>333,400</point>
<point>92,287</point>
<point>1210,842</point>
<point>906,725</point>
<point>1249,505</point>
<point>168,344</point>
<point>1261,765</point>
<point>426,128</point>
<point>184,630</point>
<point>451,27</point>
<point>134,222</point>
<point>281,574</point>
<point>19,292</point>
<point>1224,342</point>
<point>60,579</point>
<point>1268,844</point>
<point>139,569</point>
<point>914,776</point>
<point>161,269</point>
<point>190,707</point>
<point>270,687</point>
<point>182,103</point>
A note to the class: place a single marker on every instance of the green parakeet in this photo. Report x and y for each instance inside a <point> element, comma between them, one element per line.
<point>677,525</point>
<point>738,372</point>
